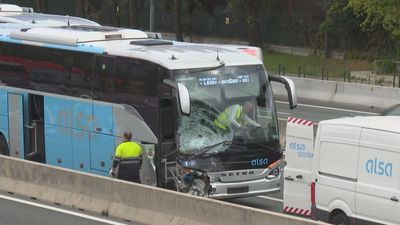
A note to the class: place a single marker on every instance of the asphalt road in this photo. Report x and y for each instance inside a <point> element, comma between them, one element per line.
<point>17,211</point>
<point>317,110</point>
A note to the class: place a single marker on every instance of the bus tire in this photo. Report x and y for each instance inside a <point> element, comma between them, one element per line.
<point>4,146</point>
<point>340,219</point>
<point>197,188</point>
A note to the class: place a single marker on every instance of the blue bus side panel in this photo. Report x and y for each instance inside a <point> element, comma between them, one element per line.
<point>81,150</point>
<point>72,113</point>
<point>100,172</point>
<point>3,103</point>
<point>4,124</point>
<point>58,145</point>
<point>101,150</point>
<point>103,115</point>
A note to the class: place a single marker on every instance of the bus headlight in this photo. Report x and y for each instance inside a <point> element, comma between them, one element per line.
<point>273,174</point>
<point>214,179</point>
<point>182,172</point>
<point>275,169</point>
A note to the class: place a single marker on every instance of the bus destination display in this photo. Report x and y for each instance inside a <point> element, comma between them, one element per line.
<point>211,81</point>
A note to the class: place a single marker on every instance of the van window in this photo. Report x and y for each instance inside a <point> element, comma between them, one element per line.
<point>338,159</point>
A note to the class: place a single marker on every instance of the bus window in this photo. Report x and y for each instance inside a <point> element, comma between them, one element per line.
<point>136,77</point>
<point>12,65</point>
<point>81,74</point>
<point>168,120</point>
<point>47,70</point>
<point>104,72</point>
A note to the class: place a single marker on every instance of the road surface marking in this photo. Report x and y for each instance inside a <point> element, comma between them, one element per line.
<point>330,108</point>
<point>270,198</point>
<point>283,113</point>
<point>61,210</point>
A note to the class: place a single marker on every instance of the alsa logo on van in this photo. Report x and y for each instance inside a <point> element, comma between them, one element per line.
<point>301,150</point>
<point>259,162</point>
<point>377,167</point>
<point>297,146</point>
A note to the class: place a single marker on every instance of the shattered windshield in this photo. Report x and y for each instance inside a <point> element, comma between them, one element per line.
<point>231,110</point>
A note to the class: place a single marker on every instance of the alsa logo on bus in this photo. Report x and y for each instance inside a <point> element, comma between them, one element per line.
<point>259,162</point>
<point>79,120</point>
<point>377,167</point>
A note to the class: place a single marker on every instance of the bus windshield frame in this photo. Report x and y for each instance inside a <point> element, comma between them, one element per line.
<point>212,92</point>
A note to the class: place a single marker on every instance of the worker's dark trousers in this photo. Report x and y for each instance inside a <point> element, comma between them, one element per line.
<point>129,171</point>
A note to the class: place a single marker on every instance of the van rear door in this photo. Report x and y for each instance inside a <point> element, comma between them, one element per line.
<point>299,154</point>
<point>378,196</point>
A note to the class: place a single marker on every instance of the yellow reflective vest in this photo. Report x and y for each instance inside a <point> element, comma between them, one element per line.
<point>223,122</point>
<point>128,150</point>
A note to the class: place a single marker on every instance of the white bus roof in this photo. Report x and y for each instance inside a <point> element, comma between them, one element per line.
<point>12,15</point>
<point>42,29</point>
<point>385,123</point>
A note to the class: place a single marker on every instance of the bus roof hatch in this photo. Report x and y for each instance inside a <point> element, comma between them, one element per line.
<point>151,42</point>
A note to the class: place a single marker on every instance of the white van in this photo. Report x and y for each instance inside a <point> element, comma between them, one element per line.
<point>349,175</point>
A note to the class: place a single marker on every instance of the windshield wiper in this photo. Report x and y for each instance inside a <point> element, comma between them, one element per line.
<point>260,145</point>
<point>208,148</point>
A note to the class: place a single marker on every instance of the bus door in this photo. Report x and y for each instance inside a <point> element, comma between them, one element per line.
<point>34,141</point>
<point>168,141</point>
<point>16,125</point>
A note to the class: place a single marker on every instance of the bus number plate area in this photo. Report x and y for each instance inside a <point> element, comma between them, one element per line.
<point>236,190</point>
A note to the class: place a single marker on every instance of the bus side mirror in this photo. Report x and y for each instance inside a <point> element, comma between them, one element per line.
<point>290,88</point>
<point>184,99</point>
<point>183,96</point>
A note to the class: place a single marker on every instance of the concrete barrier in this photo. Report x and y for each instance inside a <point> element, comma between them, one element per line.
<point>342,92</point>
<point>128,201</point>
<point>367,95</point>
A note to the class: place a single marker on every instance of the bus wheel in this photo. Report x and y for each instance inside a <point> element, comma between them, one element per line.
<point>340,219</point>
<point>197,188</point>
<point>3,146</point>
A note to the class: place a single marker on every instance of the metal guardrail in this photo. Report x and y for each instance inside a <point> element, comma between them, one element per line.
<point>324,73</point>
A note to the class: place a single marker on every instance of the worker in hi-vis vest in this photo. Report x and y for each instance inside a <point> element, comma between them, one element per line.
<point>235,116</point>
<point>127,160</point>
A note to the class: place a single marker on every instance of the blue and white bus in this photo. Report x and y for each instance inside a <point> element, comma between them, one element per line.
<point>69,88</point>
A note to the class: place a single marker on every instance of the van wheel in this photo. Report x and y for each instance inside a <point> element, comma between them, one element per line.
<point>340,219</point>
<point>3,146</point>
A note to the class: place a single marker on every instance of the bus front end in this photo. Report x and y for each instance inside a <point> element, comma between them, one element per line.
<point>227,161</point>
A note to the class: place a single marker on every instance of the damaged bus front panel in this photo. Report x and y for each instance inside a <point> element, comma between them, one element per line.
<point>234,162</point>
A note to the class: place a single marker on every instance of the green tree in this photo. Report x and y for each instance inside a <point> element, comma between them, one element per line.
<point>178,20</point>
<point>94,9</point>
<point>250,8</point>
<point>42,6</point>
<point>376,13</point>
<point>340,28</point>
<point>132,7</point>
<point>185,9</point>
<point>79,8</point>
